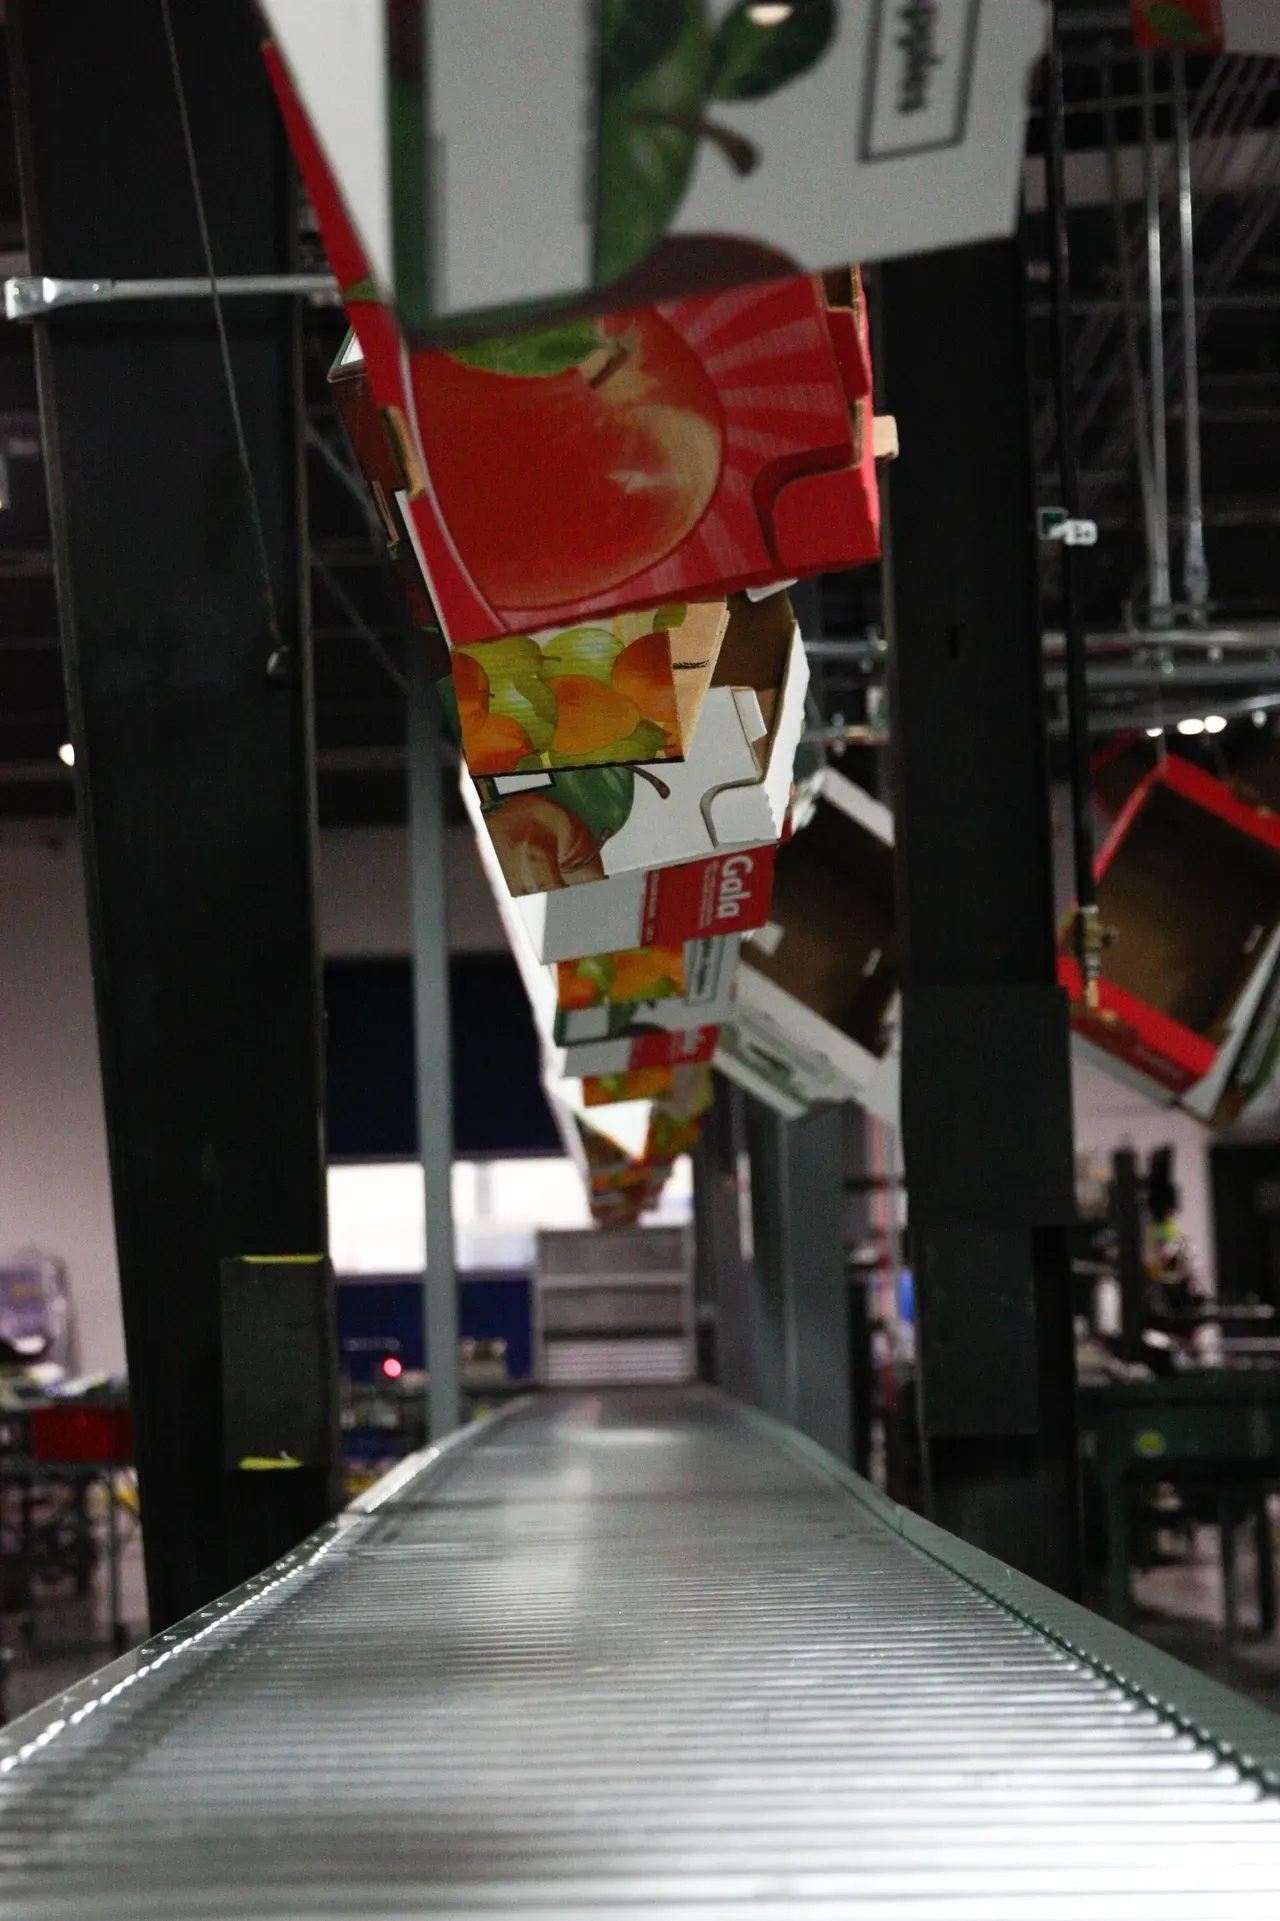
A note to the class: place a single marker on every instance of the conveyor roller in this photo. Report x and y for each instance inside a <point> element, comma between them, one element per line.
<point>641,1654</point>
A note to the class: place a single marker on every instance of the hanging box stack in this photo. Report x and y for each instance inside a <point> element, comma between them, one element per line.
<point>1189,891</point>
<point>602,445</point>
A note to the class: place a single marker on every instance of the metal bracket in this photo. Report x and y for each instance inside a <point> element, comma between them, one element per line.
<point>27,296</point>
<point>1056,524</point>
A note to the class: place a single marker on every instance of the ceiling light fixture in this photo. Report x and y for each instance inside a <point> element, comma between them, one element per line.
<point>1215,724</point>
<point>67,754</point>
<point>1259,716</point>
<point>1154,733</point>
<point>767,14</point>
<point>1190,726</point>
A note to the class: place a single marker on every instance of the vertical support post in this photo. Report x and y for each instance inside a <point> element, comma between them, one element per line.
<point>1160,588</point>
<point>797,1184</point>
<point>432,1053</point>
<point>725,1245</point>
<point>1195,568</point>
<point>986,1103</point>
<point>179,551</point>
<point>1126,1220</point>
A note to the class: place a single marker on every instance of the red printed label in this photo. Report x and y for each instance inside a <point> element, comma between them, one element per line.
<point>728,894</point>
<point>674,1050</point>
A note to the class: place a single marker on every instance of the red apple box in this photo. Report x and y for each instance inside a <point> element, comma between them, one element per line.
<point>612,463</point>
<point>1189,886</point>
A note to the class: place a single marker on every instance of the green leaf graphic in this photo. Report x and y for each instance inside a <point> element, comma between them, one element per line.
<point>600,797</point>
<point>644,161</point>
<point>749,61</point>
<point>530,703</point>
<point>532,356</point>
<point>634,36</point>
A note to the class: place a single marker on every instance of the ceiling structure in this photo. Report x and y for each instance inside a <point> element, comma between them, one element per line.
<point>1149,668</point>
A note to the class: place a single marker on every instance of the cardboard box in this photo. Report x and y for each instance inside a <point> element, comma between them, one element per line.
<point>1189,999</point>
<point>727,894</point>
<point>672,990</point>
<point>1207,26</point>
<point>817,1010</point>
<point>521,153</point>
<point>661,454</point>
<point>563,830</point>
<point>614,690</point>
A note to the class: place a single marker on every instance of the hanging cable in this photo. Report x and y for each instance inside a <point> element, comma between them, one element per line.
<point>1088,936</point>
<point>224,346</point>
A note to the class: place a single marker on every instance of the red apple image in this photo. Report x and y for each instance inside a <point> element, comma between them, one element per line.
<point>541,845</point>
<point>559,486</point>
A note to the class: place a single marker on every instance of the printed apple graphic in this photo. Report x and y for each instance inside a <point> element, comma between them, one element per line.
<point>569,460</point>
<point>541,845</point>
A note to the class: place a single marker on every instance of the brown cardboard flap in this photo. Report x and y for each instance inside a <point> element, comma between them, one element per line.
<point>756,647</point>
<point>833,898</point>
<point>1193,902</point>
<point>695,649</point>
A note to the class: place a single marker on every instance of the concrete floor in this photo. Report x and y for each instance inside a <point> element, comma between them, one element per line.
<point>68,1638</point>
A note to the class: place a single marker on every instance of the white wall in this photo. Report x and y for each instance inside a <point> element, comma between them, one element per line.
<point>55,1192</point>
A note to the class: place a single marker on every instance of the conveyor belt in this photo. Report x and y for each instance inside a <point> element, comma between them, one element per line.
<point>634,1655</point>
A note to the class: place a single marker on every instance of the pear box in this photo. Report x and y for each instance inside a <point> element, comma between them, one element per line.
<point>619,688</point>
<point>562,830</point>
<point>606,997</point>
<point>502,158</point>
<point>816,1017</point>
<point>1188,1005</point>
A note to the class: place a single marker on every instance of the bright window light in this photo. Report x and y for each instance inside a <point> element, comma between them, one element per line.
<point>67,754</point>
<point>377,1212</point>
<point>1215,724</point>
<point>1190,726</point>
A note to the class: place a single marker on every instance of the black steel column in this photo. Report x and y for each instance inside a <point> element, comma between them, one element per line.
<point>190,687</point>
<point>987,1128</point>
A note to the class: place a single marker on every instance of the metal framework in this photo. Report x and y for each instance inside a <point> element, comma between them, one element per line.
<point>646,1655</point>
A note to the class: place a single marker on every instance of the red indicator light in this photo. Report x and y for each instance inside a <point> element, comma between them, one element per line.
<point>392,1368</point>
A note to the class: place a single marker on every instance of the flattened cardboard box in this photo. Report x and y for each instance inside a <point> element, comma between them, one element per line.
<point>712,141</point>
<point>563,830</point>
<point>816,1013</point>
<point>1189,999</point>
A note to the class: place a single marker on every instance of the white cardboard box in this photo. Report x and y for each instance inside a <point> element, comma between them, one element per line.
<point>730,793</point>
<point>536,158</point>
<point>817,1011</point>
<point>727,894</point>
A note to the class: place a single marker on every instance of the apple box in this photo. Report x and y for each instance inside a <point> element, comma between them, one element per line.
<point>627,461</point>
<point>816,1013</point>
<point>725,894</point>
<point>1189,891</point>
<point>671,989</point>
<point>732,790</point>
<point>500,157</point>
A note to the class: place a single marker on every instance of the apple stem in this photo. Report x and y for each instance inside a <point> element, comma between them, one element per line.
<point>742,154</point>
<point>604,362</point>
<point>653,781</point>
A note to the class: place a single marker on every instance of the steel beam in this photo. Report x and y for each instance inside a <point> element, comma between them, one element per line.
<point>986,1112</point>
<point>182,596</point>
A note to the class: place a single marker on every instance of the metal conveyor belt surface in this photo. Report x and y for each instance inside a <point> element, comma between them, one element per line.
<point>637,1656</point>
